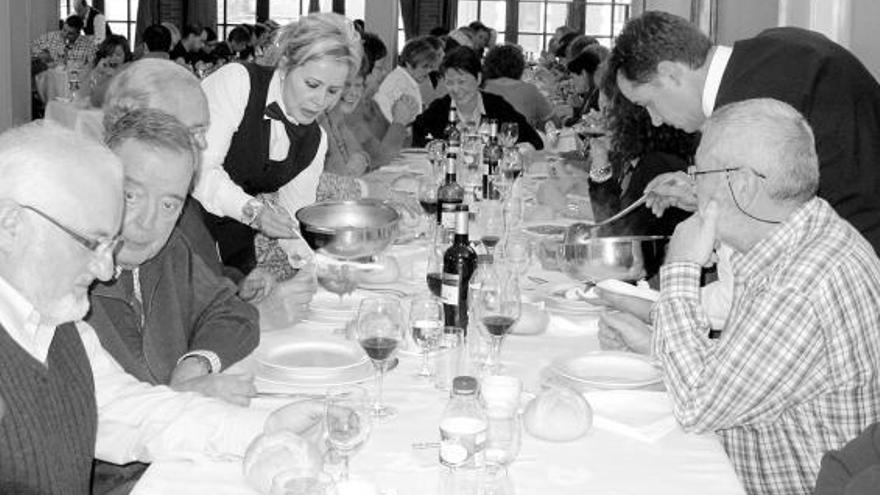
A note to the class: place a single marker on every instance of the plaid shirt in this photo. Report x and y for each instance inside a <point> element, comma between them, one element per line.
<point>82,51</point>
<point>795,372</point>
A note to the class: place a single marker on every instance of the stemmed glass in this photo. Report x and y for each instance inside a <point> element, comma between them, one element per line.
<point>347,422</point>
<point>498,309</point>
<point>436,154</point>
<point>427,195</point>
<point>380,331</point>
<point>426,321</point>
<point>508,134</point>
<point>490,222</point>
<point>517,253</point>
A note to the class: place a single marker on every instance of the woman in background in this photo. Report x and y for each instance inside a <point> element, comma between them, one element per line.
<point>502,72</point>
<point>113,54</point>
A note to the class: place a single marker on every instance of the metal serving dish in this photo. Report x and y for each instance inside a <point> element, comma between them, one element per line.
<point>626,258</point>
<point>348,229</point>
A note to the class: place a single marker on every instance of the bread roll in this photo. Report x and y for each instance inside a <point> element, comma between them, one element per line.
<point>533,320</point>
<point>275,460</point>
<point>558,414</point>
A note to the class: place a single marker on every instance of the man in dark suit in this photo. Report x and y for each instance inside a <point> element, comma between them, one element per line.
<point>462,70</point>
<point>668,66</point>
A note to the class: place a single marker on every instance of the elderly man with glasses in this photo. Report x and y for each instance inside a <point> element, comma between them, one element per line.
<point>67,400</point>
<point>794,373</point>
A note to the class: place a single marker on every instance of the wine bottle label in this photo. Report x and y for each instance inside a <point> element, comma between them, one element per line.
<point>449,291</point>
<point>447,215</point>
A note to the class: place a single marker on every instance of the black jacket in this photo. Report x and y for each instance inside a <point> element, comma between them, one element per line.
<point>434,119</point>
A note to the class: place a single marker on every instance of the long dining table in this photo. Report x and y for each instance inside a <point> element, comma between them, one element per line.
<point>634,447</point>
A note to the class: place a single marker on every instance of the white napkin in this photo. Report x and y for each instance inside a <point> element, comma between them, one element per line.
<point>571,325</point>
<point>642,290</point>
<point>639,414</point>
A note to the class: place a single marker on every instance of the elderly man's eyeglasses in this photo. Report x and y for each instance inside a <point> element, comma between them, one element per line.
<point>693,172</point>
<point>112,244</point>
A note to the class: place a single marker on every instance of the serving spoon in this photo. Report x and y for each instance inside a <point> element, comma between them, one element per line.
<point>580,231</point>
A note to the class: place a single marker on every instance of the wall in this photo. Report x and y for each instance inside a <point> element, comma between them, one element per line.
<point>20,21</point>
<point>738,19</point>
<point>865,37</point>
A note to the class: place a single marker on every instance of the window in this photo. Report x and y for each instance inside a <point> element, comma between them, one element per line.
<point>231,13</point>
<point>121,16</point>
<point>537,20</point>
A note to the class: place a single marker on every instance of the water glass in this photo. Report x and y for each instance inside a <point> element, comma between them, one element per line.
<point>426,322</point>
<point>449,356</point>
<point>346,422</point>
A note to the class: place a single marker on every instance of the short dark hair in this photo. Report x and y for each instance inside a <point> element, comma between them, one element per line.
<point>374,50</point>
<point>653,37</point>
<point>505,60</point>
<point>108,46</point>
<point>75,22</point>
<point>212,35</point>
<point>562,44</point>
<point>157,38</point>
<point>419,51</point>
<point>478,26</point>
<point>149,126</point>
<point>439,31</point>
<point>239,34</point>
<point>579,43</point>
<point>588,61</point>
<point>462,58</point>
<point>360,25</point>
<point>191,29</point>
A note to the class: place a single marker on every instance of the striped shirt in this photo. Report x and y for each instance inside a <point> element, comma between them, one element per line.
<point>795,372</point>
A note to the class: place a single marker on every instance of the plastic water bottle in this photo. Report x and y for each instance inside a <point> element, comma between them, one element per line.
<point>463,440</point>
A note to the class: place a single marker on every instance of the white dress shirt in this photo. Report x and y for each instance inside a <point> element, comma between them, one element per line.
<point>137,421</point>
<point>228,91</point>
<point>713,77</point>
<point>100,24</point>
<point>396,84</point>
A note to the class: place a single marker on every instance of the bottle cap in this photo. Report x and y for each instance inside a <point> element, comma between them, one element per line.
<point>464,385</point>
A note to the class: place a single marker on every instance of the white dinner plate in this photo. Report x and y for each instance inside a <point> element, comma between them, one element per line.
<point>307,355</point>
<point>608,370</point>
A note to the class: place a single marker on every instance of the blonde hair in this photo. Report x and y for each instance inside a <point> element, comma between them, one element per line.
<point>317,36</point>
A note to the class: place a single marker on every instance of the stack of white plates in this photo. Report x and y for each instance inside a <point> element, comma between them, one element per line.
<point>328,312</point>
<point>608,370</point>
<point>307,360</point>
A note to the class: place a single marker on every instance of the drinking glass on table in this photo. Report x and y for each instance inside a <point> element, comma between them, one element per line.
<point>517,253</point>
<point>498,309</point>
<point>508,134</point>
<point>426,321</point>
<point>427,195</point>
<point>436,154</point>
<point>380,331</point>
<point>347,422</point>
<point>490,223</point>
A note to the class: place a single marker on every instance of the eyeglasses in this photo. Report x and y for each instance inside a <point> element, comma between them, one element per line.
<point>112,244</point>
<point>693,172</point>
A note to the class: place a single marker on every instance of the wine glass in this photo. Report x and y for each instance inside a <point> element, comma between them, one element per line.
<point>508,134</point>
<point>498,309</point>
<point>347,422</point>
<point>517,253</point>
<point>436,154</point>
<point>427,195</point>
<point>426,321</point>
<point>380,331</point>
<point>490,222</point>
<point>436,250</point>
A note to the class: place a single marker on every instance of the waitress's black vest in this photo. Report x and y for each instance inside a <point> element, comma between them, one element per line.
<point>248,165</point>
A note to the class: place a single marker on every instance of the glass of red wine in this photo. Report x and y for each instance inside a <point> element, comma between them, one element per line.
<point>427,196</point>
<point>436,249</point>
<point>379,331</point>
<point>426,322</point>
<point>490,221</point>
<point>508,134</point>
<point>498,309</point>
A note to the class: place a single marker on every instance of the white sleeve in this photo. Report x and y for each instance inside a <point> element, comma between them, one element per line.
<point>385,96</point>
<point>100,28</point>
<point>142,422</point>
<point>227,90</point>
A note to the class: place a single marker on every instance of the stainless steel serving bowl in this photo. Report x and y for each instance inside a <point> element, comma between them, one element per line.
<point>348,229</point>
<point>627,258</point>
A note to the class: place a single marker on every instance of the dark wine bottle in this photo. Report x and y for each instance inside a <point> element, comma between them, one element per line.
<point>452,134</point>
<point>449,196</point>
<point>491,156</point>
<point>459,263</point>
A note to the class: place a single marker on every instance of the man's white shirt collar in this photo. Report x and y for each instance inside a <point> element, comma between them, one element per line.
<point>22,322</point>
<point>713,77</point>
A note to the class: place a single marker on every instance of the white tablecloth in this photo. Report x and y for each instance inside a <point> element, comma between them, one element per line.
<point>73,115</point>
<point>605,461</point>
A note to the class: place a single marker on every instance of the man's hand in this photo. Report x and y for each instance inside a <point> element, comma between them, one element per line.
<point>236,389</point>
<point>671,189</point>
<point>405,110</point>
<point>256,286</point>
<point>303,418</point>
<point>634,305</point>
<point>620,331</point>
<point>357,164</point>
<point>275,224</point>
<point>694,238</point>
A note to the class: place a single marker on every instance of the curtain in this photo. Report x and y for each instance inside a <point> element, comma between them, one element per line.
<point>576,17</point>
<point>147,14</point>
<point>201,12</point>
<point>409,12</point>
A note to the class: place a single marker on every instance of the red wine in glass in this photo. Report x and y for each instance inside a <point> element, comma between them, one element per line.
<point>435,283</point>
<point>512,173</point>
<point>379,348</point>
<point>429,207</point>
<point>490,241</point>
<point>498,325</point>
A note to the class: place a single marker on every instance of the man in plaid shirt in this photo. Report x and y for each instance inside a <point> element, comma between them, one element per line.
<point>795,373</point>
<point>66,44</point>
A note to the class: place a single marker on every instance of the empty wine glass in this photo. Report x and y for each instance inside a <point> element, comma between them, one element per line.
<point>517,253</point>
<point>498,309</point>
<point>436,154</point>
<point>508,134</point>
<point>380,331</point>
<point>347,422</point>
<point>426,321</point>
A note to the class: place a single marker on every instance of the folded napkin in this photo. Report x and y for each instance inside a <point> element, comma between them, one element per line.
<point>642,290</point>
<point>639,414</point>
<point>572,325</point>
